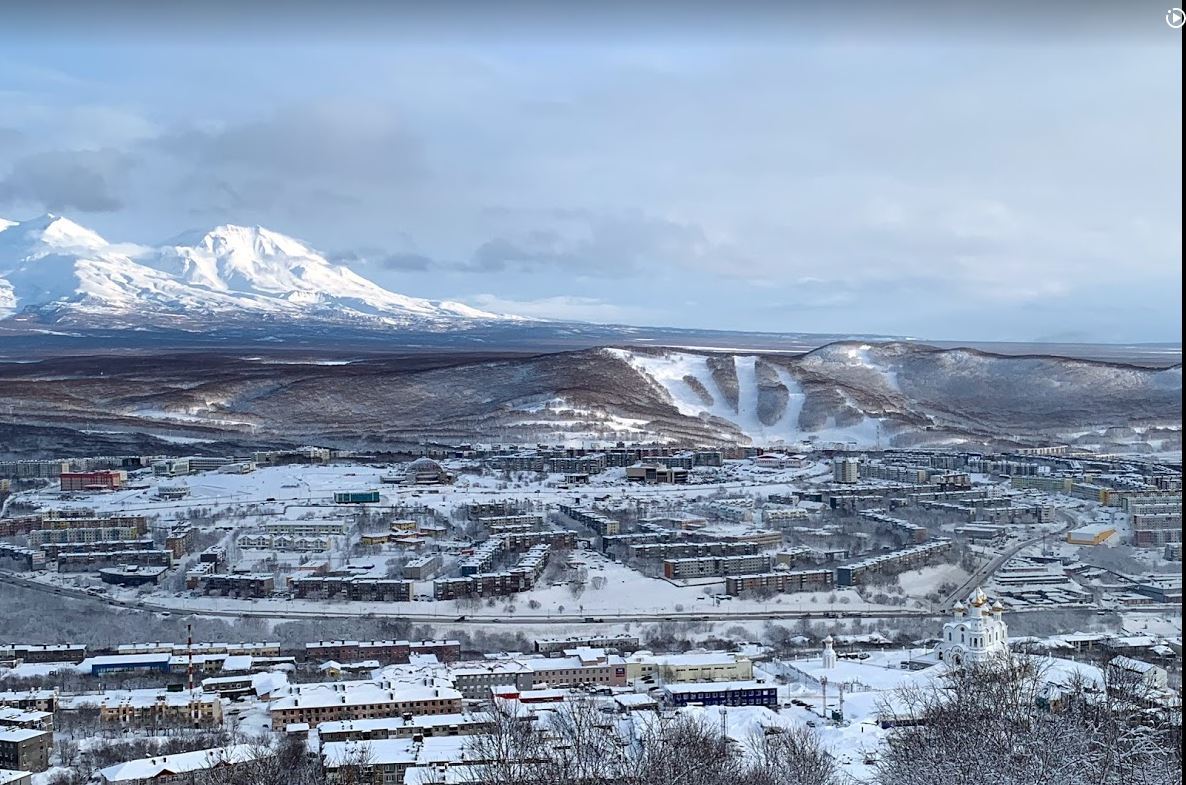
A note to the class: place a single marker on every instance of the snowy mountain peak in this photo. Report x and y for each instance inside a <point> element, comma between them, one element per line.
<point>44,235</point>
<point>61,269</point>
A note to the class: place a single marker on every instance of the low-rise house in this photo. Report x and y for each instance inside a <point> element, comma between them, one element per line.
<point>1127,672</point>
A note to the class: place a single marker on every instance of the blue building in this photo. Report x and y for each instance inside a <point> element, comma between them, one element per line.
<point>123,663</point>
<point>721,693</point>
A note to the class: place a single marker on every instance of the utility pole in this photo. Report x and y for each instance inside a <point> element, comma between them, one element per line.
<point>189,670</point>
<point>824,692</point>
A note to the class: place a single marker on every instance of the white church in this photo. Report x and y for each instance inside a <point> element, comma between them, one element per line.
<point>976,633</point>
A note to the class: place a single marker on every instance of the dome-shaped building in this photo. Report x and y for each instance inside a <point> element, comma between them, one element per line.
<point>976,632</point>
<point>426,471</point>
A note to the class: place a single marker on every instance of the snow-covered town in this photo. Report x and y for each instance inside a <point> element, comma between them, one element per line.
<point>538,393</point>
<point>755,592</point>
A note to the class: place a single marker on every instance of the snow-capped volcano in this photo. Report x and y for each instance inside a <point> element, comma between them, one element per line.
<point>51,266</point>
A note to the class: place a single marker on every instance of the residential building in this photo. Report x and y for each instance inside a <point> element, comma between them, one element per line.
<point>715,566</point>
<point>789,581</point>
<point>161,708</point>
<point>336,701</point>
<point>846,470</point>
<point>180,768</point>
<point>25,749</point>
<point>619,643</point>
<point>891,563</point>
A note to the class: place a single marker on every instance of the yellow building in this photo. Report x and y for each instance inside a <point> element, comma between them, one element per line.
<point>673,668</point>
<point>1090,535</point>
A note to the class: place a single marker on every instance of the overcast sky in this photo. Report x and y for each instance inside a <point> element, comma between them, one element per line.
<point>759,176</point>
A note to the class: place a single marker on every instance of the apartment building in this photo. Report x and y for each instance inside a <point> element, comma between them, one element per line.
<point>337,701</point>
<point>283,542</point>
<point>161,708</point>
<point>583,464</point>
<point>50,652</point>
<point>560,539</point>
<point>580,667</point>
<point>30,700</point>
<point>499,523</point>
<point>404,727</point>
<point>53,549</point>
<point>180,540</point>
<point>27,720</point>
<point>351,588</point>
<point>482,558</point>
<point>891,563</point>
<point>253,585</point>
<point>846,470</point>
<point>603,525</point>
<point>389,652</point>
<point>90,561</point>
<point>423,567</point>
<point>790,581</point>
<point>313,528</point>
<point>911,531</point>
<point>784,514</point>
<point>30,470</point>
<point>716,565</point>
<point>620,643</point>
<point>25,749</point>
<point>694,550</point>
<point>85,535</point>
<point>476,679</point>
<point>31,559</point>
<point>490,584</point>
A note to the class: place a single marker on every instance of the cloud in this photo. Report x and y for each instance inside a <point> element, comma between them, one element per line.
<point>405,261</point>
<point>599,244</point>
<point>64,180</point>
<point>562,308</point>
<point>334,139</point>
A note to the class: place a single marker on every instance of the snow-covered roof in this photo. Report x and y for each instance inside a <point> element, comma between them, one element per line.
<point>198,760</point>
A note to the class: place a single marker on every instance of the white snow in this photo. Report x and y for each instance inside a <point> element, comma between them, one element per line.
<point>231,269</point>
<point>669,369</point>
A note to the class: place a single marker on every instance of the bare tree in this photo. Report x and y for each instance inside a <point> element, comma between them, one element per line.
<point>1012,722</point>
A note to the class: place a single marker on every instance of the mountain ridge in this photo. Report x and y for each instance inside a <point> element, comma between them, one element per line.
<point>52,267</point>
<point>853,395</point>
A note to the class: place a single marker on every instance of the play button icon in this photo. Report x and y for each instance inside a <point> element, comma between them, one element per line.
<point>1175,18</point>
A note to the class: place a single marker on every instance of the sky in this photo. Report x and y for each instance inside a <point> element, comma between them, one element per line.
<point>1012,178</point>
